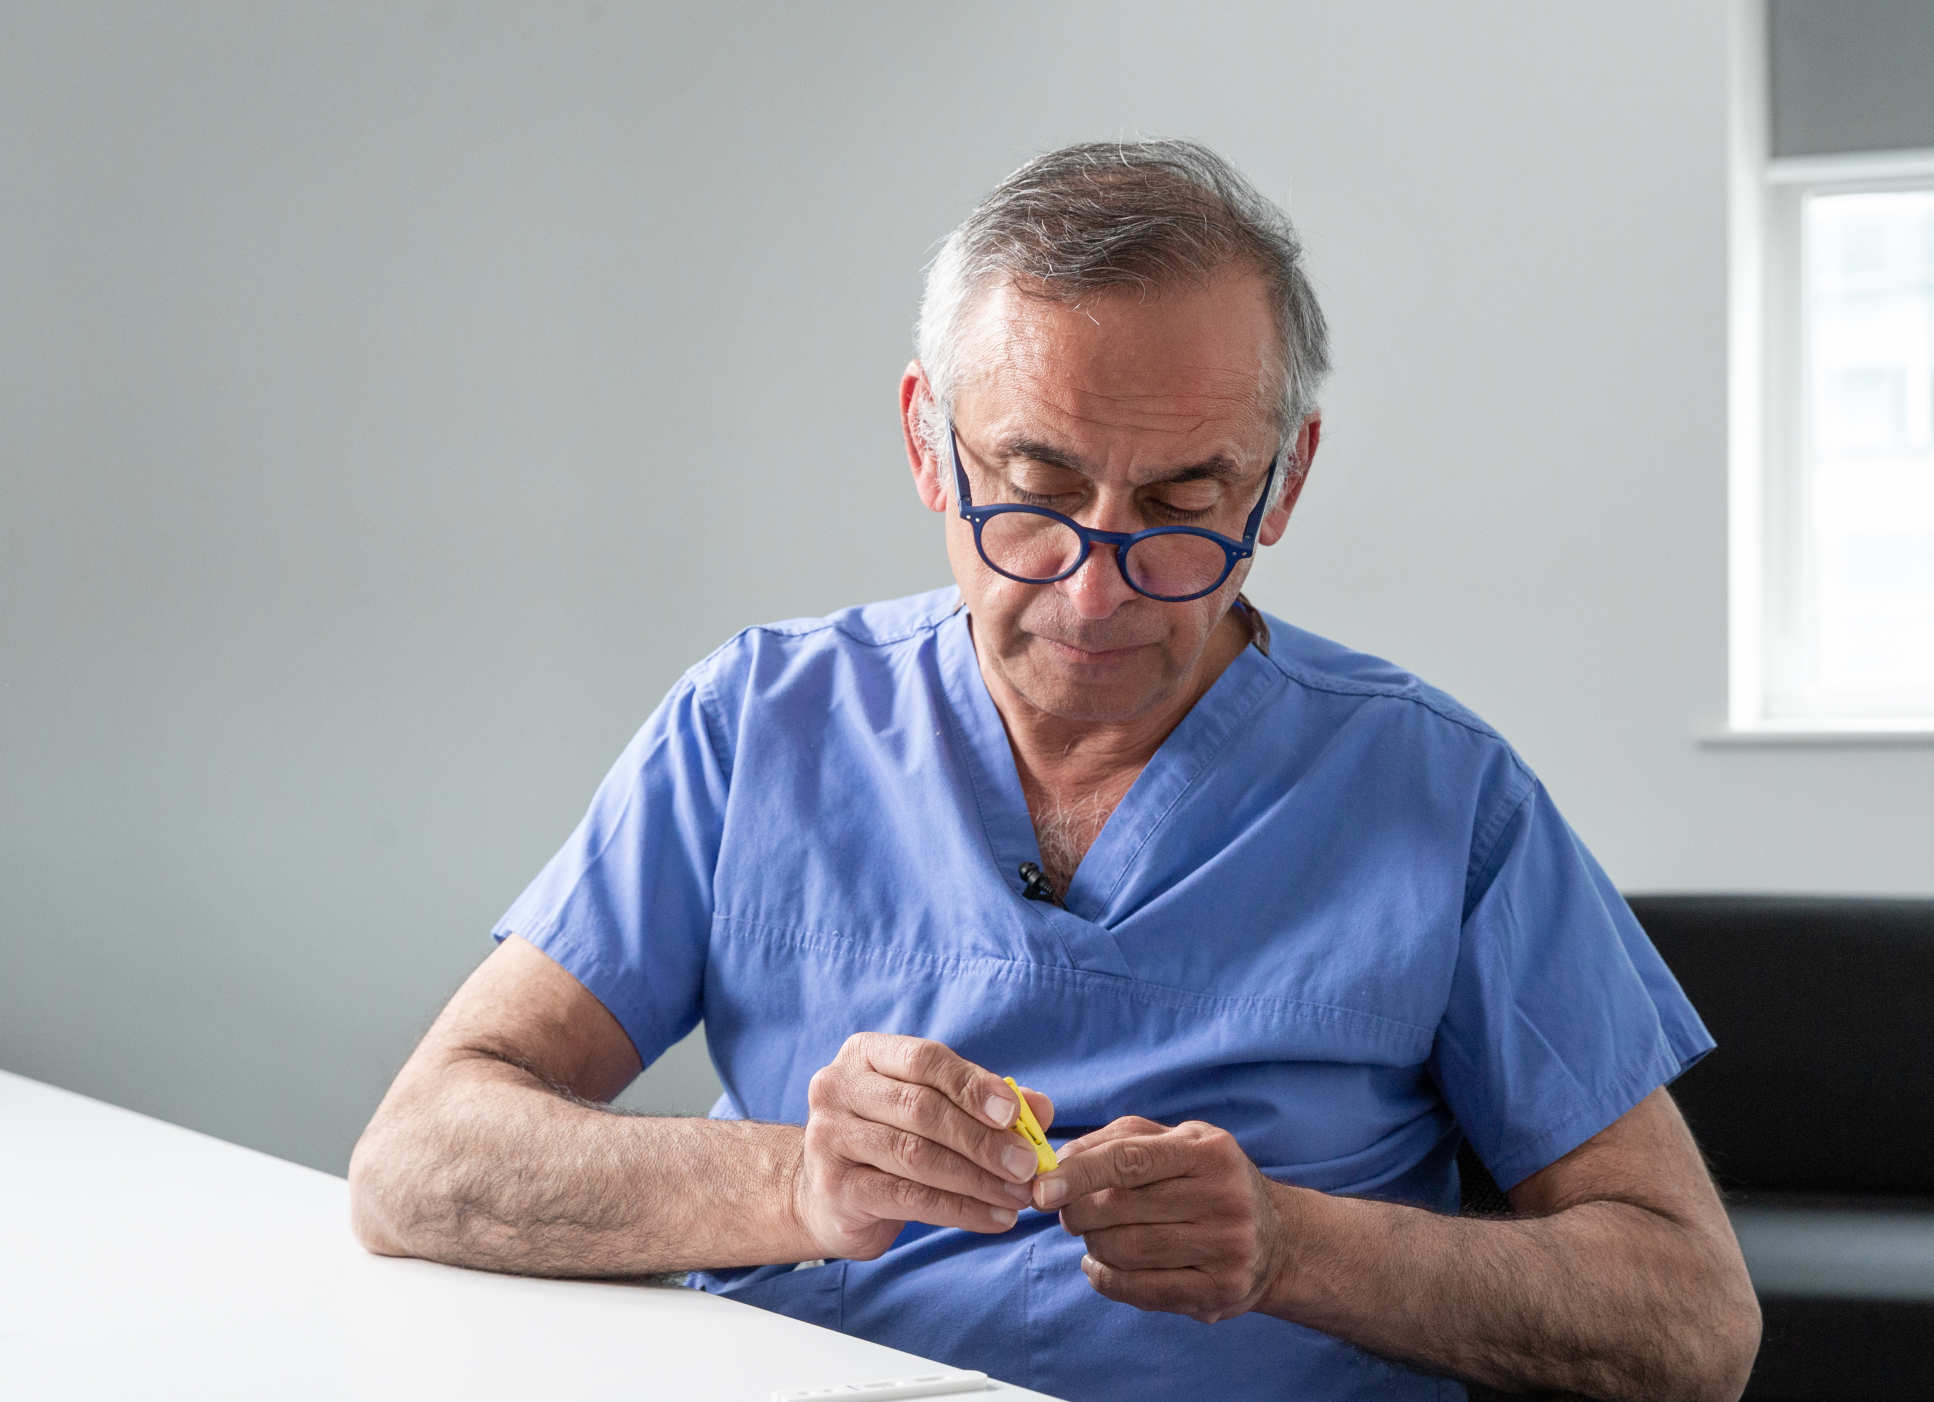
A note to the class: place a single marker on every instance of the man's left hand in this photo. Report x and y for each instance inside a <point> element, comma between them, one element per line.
<point>1175,1219</point>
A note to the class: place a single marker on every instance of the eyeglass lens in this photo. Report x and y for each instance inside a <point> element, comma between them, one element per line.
<point>1039,548</point>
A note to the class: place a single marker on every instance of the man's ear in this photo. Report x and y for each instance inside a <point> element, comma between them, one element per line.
<point>915,395</point>
<point>1276,521</point>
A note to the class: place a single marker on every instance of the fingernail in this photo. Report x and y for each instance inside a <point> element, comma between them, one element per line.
<point>1050,1192</point>
<point>1019,1162</point>
<point>1004,1217</point>
<point>1000,1110</point>
<point>1020,1194</point>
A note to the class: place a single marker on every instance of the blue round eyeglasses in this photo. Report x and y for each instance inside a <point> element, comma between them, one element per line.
<point>1034,545</point>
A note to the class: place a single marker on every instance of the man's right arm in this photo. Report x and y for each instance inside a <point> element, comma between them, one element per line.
<point>493,1149</point>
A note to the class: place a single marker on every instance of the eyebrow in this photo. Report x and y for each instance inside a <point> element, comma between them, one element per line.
<point>1218,468</point>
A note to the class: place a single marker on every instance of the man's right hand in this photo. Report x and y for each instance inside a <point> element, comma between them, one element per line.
<point>900,1129</point>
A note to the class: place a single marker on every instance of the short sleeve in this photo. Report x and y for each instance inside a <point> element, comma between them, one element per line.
<point>626,903</point>
<point>1561,1015</point>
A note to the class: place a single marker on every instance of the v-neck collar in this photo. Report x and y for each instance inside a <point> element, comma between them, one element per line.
<point>1098,894</point>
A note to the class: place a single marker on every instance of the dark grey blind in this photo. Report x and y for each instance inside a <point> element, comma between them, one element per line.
<point>1851,75</point>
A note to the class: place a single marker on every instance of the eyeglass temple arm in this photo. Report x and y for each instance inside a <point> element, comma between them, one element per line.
<point>1254,523</point>
<point>960,476</point>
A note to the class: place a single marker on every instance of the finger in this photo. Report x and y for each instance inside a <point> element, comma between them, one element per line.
<point>923,1061</point>
<point>1144,1247</point>
<point>902,1200</point>
<point>1171,1200</point>
<point>902,1153</point>
<point>1133,1161</point>
<point>1114,1129</point>
<point>1185,1291</point>
<point>917,1109</point>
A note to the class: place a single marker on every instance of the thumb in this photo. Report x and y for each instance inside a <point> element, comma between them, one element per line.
<point>1042,1107</point>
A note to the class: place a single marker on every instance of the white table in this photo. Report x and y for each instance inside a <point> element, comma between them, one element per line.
<point>141,1260</point>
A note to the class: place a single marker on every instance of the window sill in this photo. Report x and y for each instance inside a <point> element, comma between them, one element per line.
<point>1821,733</point>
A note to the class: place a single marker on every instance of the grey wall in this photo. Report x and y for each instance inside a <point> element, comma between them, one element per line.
<point>394,399</point>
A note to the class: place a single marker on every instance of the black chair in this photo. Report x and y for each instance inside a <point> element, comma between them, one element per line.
<point>1817,1117</point>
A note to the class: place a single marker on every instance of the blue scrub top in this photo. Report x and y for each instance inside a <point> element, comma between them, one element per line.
<point>1335,915</point>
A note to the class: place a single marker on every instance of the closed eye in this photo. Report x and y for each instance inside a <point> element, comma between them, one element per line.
<point>1177,513</point>
<point>1027,498</point>
<point>1157,510</point>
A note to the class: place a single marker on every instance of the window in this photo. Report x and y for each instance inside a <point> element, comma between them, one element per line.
<point>1833,369</point>
<point>1849,545</point>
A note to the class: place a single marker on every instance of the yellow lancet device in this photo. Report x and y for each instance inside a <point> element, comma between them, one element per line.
<point>1029,1129</point>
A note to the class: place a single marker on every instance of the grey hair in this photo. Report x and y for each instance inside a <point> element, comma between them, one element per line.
<point>1108,215</point>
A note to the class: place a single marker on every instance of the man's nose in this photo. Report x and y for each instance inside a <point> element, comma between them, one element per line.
<point>1098,588</point>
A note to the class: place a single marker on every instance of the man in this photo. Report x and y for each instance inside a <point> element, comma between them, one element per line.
<point>1270,924</point>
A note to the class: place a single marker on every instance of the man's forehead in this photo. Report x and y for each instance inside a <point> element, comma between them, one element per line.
<point>1195,364</point>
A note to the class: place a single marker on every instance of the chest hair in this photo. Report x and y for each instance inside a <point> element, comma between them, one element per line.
<point>1065,827</point>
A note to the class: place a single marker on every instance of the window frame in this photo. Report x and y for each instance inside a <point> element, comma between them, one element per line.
<point>1772,571</point>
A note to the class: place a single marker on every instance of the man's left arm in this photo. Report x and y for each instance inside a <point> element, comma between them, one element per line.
<point>1620,1278</point>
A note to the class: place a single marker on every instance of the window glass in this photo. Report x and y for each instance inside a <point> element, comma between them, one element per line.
<point>1864,633</point>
